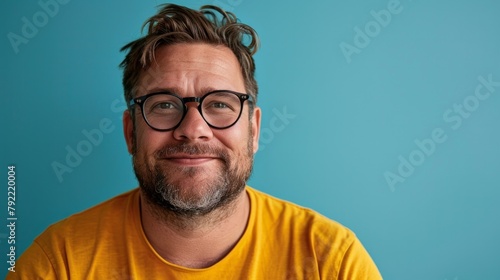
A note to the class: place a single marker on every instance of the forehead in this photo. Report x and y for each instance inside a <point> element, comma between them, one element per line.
<point>189,67</point>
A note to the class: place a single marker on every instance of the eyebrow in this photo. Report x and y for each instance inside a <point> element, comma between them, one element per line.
<point>162,89</point>
<point>177,90</point>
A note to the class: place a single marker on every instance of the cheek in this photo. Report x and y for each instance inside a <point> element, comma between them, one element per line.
<point>148,140</point>
<point>235,139</point>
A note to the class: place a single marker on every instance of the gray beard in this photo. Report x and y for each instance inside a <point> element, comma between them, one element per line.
<point>168,197</point>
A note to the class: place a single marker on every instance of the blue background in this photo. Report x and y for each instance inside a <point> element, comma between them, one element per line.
<point>351,119</point>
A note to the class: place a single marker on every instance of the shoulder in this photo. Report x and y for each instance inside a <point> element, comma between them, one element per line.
<point>73,243</point>
<point>115,204</point>
<point>86,224</point>
<point>317,240</point>
<point>300,220</point>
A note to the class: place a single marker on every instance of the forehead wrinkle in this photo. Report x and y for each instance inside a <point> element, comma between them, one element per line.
<point>188,78</point>
<point>193,72</point>
<point>203,56</point>
<point>181,82</point>
<point>205,66</point>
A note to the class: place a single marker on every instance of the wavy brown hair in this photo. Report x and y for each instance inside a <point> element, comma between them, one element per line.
<point>177,24</point>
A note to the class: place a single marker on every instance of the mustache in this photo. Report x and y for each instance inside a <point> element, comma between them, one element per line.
<point>192,149</point>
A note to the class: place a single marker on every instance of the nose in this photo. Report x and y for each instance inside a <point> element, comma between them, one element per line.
<point>193,127</point>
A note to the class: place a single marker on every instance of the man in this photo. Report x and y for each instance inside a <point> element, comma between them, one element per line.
<point>192,128</point>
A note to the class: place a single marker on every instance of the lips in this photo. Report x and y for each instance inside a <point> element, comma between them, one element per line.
<point>190,159</point>
<point>185,154</point>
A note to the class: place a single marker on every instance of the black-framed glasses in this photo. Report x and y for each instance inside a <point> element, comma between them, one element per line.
<point>164,111</point>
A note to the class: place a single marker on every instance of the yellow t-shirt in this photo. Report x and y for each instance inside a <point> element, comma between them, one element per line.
<point>281,241</point>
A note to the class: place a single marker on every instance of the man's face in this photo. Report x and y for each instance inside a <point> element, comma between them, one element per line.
<point>192,169</point>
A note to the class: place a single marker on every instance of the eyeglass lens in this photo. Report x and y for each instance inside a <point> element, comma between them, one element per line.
<point>165,111</point>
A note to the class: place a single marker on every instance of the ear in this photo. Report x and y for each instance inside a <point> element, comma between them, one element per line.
<point>128,130</point>
<point>256,128</point>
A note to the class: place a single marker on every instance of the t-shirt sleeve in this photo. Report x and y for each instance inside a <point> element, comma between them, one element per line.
<point>357,264</point>
<point>33,264</point>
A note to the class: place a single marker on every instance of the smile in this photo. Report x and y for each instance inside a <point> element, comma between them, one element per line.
<point>190,159</point>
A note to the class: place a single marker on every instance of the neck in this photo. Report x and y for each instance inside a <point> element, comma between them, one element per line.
<point>199,241</point>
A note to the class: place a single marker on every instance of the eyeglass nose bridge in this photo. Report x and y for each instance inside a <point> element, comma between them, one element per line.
<point>186,100</point>
<point>191,99</point>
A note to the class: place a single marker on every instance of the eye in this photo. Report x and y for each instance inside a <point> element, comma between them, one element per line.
<point>163,105</point>
<point>164,108</point>
<point>219,105</point>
